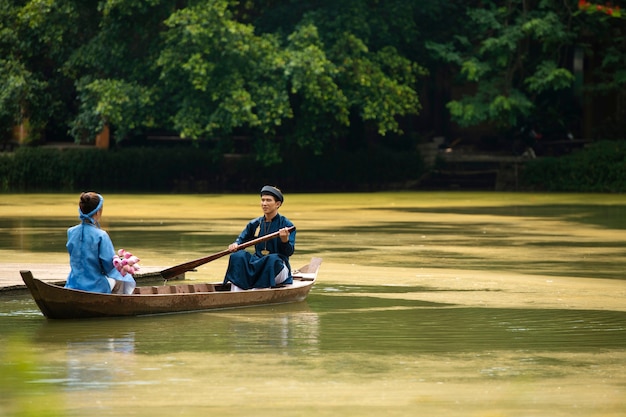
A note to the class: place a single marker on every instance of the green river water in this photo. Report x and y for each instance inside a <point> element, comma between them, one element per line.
<point>433,304</point>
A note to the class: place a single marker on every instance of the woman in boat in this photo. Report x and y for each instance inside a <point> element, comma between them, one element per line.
<point>91,252</point>
<point>269,265</point>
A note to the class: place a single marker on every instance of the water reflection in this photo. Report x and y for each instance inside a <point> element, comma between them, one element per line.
<point>32,234</point>
<point>98,363</point>
<point>367,323</point>
<point>610,216</point>
<point>291,329</point>
<point>281,334</point>
<point>102,353</point>
<point>28,234</point>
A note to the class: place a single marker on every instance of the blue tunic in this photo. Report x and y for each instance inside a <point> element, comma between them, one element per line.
<point>91,259</point>
<point>256,270</point>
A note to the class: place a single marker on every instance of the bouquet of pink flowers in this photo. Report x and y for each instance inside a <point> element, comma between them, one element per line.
<point>126,262</point>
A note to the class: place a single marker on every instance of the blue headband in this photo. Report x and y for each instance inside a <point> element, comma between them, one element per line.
<point>88,216</point>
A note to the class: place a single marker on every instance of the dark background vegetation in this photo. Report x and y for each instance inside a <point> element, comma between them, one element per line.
<point>601,167</point>
<point>218,95</point>
<point>185,170</point>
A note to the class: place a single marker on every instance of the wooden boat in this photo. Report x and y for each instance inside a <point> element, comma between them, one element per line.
<point>58,302</point>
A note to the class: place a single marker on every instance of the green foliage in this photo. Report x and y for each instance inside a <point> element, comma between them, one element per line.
<point>378,85</point>
<point>115,71</point>
<point>313,77</point>
<point>219,75</point>
<point>598,168</point>
<point>35,38</point>
<point>293,74</point>
<point>549,77</point>
<point>114,102</point>
<point>514,53</point>
<point>202,70</point>
<point>13,90</point>
<point>377,81</point>
<point>19,85</point>
<point>489,105</point>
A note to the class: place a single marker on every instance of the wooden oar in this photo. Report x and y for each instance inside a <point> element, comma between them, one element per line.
<point>188,266</point>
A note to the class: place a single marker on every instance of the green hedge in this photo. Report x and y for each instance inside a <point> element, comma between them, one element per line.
<point>48,169</point>
<point>601,167</point>
<point>45,169</point>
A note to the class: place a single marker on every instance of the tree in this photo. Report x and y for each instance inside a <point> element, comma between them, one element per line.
<point>293,73</point>
<point>516,54</point>
<point>294,83</point>
<point>115,71</point>
<point>28,50</point>
<point>602,38</point>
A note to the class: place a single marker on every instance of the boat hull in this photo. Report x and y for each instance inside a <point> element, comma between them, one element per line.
<point>57,302</point>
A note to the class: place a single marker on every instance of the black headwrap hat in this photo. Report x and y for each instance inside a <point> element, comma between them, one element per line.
<point>268,189</point>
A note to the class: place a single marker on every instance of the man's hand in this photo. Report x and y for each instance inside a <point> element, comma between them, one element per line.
<point>284,234</point>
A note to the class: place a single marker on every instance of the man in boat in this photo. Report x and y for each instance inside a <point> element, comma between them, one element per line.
<point>91,252</point>
<point>269,265</point>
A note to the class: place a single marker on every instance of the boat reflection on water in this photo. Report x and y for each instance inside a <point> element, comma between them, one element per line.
<point>283,333</point>
<point>100,353</point>
<point>98,363</point>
